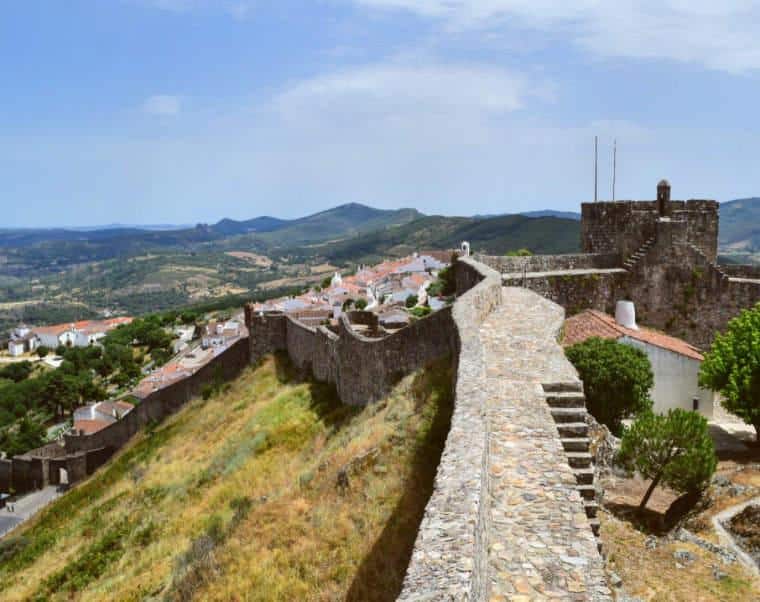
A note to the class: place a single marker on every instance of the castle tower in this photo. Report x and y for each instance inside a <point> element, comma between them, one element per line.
<point>663,198</point>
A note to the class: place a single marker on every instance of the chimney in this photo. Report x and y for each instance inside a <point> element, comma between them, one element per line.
<point>663,198</point>
<point>625,314</point>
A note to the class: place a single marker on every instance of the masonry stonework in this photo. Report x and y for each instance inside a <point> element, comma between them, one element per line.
<point>659,254</point>
<point>81,455</point>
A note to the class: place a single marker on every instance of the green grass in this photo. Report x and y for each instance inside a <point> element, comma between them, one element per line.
<point>241,494</point>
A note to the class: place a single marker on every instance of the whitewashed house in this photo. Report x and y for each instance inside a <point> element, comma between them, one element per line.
<point>22,341</point>
<point>16,347</point>
<point>675,363</point>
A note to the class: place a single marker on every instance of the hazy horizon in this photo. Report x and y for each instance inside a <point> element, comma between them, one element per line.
<point>162,111</point>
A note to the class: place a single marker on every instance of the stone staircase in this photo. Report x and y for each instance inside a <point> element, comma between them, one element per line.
<point>567,404</point>
<point>712,265</point>
<point>632,260</point>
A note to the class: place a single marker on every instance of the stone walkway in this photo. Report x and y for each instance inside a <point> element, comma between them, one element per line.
<point>576,272</point>
<point>540,541</point>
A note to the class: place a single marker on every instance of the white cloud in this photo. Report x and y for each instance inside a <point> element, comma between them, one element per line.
<point>718,35</point>
<point>162,104</point>
<point>388,90</point>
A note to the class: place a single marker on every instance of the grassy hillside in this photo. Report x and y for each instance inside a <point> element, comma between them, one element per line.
<point>494,235</point>
<point>270,491</point>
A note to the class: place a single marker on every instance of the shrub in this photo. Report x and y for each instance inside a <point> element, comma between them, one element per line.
<point>732,366</point>
<point>616,378</point>
<point>420,312</point>
<point>675,450</point>
<point>411,301</point>
<point>360,304</point>
<point>444,285</point>
<point>519,253</point>
<point>42,351</point>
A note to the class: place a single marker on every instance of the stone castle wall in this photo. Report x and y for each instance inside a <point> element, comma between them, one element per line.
<point>451,551</point>
<point>550,263</point>
<point>623,226</point>
<point>163,402</point>
<point>666,264</point>
<point>362,368</point>
<point>81,455</point>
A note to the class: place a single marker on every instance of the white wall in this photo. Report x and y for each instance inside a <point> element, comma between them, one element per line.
<point>675,380</point>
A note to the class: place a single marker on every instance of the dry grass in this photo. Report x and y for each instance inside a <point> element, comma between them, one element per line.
<point>655,574</point>
<point>238,497</point>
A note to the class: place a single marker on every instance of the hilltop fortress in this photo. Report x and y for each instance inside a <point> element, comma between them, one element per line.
<point>513,510</point>
<point>660,254</point>
<point>514,506</point>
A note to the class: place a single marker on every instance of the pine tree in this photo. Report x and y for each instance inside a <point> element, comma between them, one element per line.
<point>675,450</point>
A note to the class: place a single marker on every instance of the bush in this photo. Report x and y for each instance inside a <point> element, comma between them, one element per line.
<point>360,304</point>
<point>444,285</point>
<point>43,351</point>
<point>411,301</point>
<point>420,312</point>
<point>732,366</point>
<point>616,378</point>
<point>675,450</point>
<point>519,253</point>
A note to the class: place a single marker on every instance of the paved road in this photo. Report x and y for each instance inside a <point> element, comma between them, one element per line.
<point>7,521</point>
<point>26,507</point>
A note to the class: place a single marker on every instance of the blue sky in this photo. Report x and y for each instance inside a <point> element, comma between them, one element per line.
<point>178,111</point>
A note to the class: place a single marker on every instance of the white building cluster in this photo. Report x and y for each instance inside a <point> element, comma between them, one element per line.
<point>384,288</point>
<point>77,334</point>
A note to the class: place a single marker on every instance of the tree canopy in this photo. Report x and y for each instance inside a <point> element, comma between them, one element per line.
<point>675,450</point>
<point>732,367</point>
<point>616,379</point>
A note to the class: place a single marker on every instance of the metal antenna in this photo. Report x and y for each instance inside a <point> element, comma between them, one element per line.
<point>596,163</point>
<point>614,167</point>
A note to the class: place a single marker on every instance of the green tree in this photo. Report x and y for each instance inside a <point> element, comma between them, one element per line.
<point>675,450</point>
<point>42,351</point>
<point>732,367</point>
<point>360,304</point>
<point>411,301</point>
<point>616,379</point>
<point>347,304</point>
<point>326,281</point>
<point>17,371</point>
<point>29,434</point>
<point>444,285</point>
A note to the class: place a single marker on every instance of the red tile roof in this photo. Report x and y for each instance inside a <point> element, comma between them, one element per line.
<point>592,323</point>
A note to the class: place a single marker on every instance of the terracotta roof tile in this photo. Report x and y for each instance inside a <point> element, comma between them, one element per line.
<point>592,323</point>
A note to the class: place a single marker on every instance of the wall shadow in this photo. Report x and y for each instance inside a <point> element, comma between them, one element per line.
<point>381,574</point>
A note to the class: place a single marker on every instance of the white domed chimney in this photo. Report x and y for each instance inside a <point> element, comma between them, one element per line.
<point>625,314</point>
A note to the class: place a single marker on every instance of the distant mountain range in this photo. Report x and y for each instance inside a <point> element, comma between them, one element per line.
<point>740,225</point>
<point>348,229</point>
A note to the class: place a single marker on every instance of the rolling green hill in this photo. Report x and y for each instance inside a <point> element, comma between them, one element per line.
<point>740,225</point>
<point>494,235</point>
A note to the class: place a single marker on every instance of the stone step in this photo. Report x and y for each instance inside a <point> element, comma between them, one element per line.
<point>584,476</point>
<point>566,399</point>
<point>565,415</point>
<point>588,492</point>
<point>591,508</point>
<point>579,459</point>
<point>595,526</point>
<point>572,429</point>
<point>563,387</point>
<point>575,444</point>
